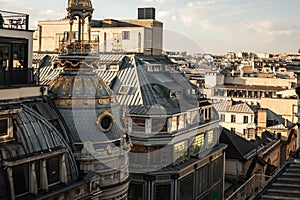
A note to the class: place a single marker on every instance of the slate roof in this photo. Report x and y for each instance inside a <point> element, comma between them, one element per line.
<point>235,107</point>
<point>33,136</point>
<point>152,88</point>
<point>238,147</point>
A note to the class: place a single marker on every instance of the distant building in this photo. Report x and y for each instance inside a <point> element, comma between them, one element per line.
<point>144,35</point>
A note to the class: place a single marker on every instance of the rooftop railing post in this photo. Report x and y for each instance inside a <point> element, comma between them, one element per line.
<point>27,22</point>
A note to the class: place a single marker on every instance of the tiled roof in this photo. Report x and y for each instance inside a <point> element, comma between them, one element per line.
<point>234,107</point>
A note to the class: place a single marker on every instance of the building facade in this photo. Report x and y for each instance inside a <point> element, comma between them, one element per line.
<point>113,36</point>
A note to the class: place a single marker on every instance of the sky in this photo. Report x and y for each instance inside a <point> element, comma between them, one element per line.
<point>196,26</point>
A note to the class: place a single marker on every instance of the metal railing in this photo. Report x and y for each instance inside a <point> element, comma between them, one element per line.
<point>16,76</point>
<point>79,47</point>
<point>13,20</point>
<point>249,187</point>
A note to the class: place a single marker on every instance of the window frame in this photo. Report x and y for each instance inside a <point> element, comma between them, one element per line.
<point>233,119</point>
<point>246,119</point>
<point>125,35</point>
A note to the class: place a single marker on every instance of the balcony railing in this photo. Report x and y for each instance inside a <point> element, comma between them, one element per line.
<point>249,187</point>
<point>16,76</point>
<point>13,20</point>
<point>79,47</point>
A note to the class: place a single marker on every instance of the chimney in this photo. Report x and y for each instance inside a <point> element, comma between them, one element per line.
<point>262,118</point>
<point>286,123</point>
<point>146,13</point>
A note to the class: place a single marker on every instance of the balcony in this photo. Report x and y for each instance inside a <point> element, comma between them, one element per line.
<point>13,20</point>
<point>15,76</point>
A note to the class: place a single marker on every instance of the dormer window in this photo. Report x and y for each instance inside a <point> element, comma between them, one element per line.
<point>154,68</point>
<point>175,94</point>
<point>3,127</point>
<point>124,89</point>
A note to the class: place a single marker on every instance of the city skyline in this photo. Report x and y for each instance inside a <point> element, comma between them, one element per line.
<point>207,26</point>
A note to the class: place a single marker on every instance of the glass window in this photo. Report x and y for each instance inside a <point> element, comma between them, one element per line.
<point>124,89</point>
<point>233,130</point>
<point>181,122</point>
<point>210,138</point>
<point>245,119</point>
<point>185,189</point>
<point>4,56</point>
<point>138,124</point>
<point>180,150</point>
<point>162,192</point>
<point>126,35</point>
<point>52,166</point>
<point>233,119</point>
<point>202,177</point>
<point>3,127</point>
<point>159,125</point>
<point>216,170</point>
<point>20,175</point>
<point>198,143</point>
<point>135,191</point>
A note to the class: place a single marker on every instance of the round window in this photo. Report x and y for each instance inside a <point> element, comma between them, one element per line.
<point>106,122</point>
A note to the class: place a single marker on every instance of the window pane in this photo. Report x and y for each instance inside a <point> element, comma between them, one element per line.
<point>217,170</point>
<point>202,180</point>
<point>180,151</point>
<point>135,192</point>
<point>20,179</point>
<point>4,56</point>
<point>52,166</point>
<point>3,127</point>
<point>162,192</point>
<point>198,143</point>
<point>18,56</point>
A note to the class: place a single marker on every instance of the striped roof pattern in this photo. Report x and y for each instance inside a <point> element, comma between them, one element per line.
<point>234,107</point>
<point>47,74</point>
<point>127,76</point>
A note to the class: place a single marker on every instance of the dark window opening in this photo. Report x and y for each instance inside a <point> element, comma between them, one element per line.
<point>233,119</point>
<point>106,122</point>
<point>162,192</point>
<point>21,179</point>
<point>246,119</point>
<point>3,187</point>
<point>52,166</point>
<point>3,127</point>
<point>135,192</point>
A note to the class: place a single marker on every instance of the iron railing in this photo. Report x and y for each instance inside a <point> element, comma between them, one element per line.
<point>16,76</point>
<point>79,47</point>
<point>249,187</point>
<point>13,20</point>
